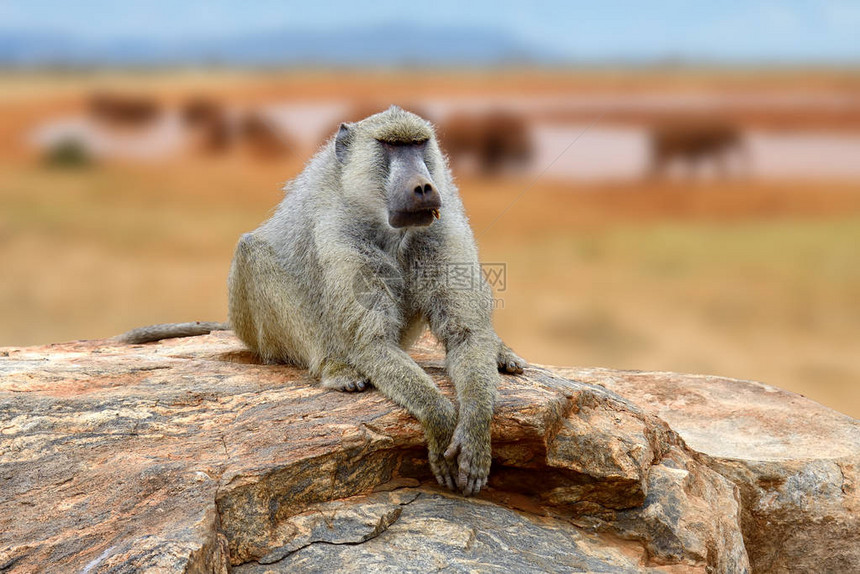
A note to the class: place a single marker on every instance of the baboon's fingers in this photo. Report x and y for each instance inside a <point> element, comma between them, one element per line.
<point>362,384</point>
<point>472,475</point>
<point>442,471</point>
<point>346,384</point>
<point>514,367</point>
<point>510,362</point>
<point>463,476</point>
<point>449,480</point>
<point>453,451</point>
<point>473,486</point>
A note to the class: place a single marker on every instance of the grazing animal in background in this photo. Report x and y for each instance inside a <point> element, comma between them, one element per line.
<point>352,267</point>
<point>692,142</point>
<point>262,136</point>
<point>493,141</point>
<point>209,123</point>
<point>200,110</point>
<point>124,111</point>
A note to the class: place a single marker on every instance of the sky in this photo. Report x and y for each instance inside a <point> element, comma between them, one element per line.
<point>786,31</point>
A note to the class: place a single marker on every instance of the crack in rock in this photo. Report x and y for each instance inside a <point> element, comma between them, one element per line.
<point>344,521</point>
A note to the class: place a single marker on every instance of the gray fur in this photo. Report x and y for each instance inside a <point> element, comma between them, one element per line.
<point>328,284</point>
<point>154,333</point>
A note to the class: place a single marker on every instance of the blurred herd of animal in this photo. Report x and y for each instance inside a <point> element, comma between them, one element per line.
<point>211,127</point>
<point>486,142</point>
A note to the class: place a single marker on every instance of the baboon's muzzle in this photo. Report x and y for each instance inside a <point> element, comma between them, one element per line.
<point>412,196</point>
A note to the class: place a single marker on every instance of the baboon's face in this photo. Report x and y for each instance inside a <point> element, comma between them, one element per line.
<point>412,197</point>
<point>391,152</point>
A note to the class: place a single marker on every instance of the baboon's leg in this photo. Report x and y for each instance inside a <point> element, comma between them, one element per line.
<point>399,378</point>
<point>340,376</point>
<point>262,310</point>
<point>510,362</point>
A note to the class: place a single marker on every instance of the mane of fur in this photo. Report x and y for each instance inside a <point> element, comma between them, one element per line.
<point>395,125</point>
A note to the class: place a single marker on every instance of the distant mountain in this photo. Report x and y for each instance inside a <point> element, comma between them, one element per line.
<point>384,45</point>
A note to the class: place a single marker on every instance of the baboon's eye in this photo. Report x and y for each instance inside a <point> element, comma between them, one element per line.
<point>401,143</point>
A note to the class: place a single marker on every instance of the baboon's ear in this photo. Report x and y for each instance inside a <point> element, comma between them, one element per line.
<point>341,143</point>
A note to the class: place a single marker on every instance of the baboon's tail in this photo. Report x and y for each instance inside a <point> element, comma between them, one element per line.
<point>153,333</point>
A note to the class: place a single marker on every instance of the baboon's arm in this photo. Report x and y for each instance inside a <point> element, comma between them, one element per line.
<point>367,335</point>
<point>398,377</point>
<point>472,364</point>
<point>153,333</point>
<point>461,321</point>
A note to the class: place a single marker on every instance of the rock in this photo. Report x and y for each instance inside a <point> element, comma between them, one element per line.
<point>678,522</point>
<point>188,456</point>
<point>436,531</point>
<point>794,461</point>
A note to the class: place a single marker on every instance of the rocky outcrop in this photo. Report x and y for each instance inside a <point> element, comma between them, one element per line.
<point>795,461</point>
<point>421,530</point>
<point>188,456</point>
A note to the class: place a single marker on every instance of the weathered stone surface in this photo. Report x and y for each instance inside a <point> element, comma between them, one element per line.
<point>435,531</point>
<point>794,461</point>
<point>186,455</point>
<point>678,522</point>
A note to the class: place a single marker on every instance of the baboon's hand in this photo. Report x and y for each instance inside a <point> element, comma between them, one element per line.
<point>443,470</point>
<point>470,451</point>
<point>439,435</point>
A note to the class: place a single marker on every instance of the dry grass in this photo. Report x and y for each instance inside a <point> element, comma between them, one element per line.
<point>748,280</point>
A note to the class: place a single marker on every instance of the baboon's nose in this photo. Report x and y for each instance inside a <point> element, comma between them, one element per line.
<point>424,194</point>
<point>414,201</point>
<point>423,189</point>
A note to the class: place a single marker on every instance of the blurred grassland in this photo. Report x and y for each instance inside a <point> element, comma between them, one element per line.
<point>753,280</point>
<point>706,288</point>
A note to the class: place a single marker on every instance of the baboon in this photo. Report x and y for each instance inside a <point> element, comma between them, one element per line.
<point>351,268</point>
<point>692,141</point>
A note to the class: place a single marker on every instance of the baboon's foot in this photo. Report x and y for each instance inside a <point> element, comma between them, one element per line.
<point>510,362</point>
<point>342,377</point>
